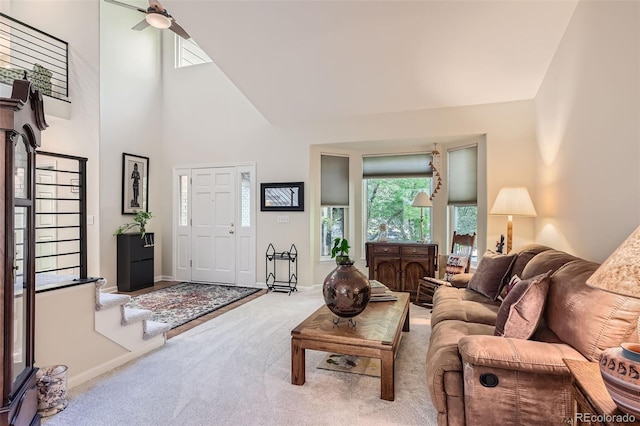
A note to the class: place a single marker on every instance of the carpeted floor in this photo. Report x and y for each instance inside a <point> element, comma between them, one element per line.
<point>184,302</point>
<point>236,370</point>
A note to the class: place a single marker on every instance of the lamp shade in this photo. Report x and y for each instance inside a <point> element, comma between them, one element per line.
<point>620,273</point>
<point>158,20</point>
<point>513,201</point>
<point>421,200</point>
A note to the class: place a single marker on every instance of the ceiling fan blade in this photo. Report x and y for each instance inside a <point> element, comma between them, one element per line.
<point>140,25</point>
<point>156,5</point>
<point>129,6</point>
<point>176,28</point>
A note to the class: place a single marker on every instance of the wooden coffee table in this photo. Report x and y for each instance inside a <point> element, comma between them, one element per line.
<point>376,335</point>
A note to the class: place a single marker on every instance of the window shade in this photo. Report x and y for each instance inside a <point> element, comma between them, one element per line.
<point>334,180</point>
<point>463,176</point>
<point>397,166</point>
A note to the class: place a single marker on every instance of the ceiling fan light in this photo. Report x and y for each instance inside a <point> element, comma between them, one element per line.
<point>158,20</point>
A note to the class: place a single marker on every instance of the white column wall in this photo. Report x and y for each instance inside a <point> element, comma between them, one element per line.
<point>79,133</point>
<point>130,122</point>
<point>588,130</point>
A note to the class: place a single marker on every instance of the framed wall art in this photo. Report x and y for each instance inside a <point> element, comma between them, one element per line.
<point>282,196</point>
<point>135,183</point>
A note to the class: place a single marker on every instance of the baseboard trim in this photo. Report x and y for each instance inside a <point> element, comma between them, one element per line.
<point>98,370</point>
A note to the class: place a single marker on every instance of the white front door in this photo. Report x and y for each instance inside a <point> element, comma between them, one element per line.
<point>213,231</point>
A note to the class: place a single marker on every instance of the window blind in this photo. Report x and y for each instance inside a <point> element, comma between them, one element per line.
<point>396,166</point>
<point>334,180</point>
<point>463,176</point>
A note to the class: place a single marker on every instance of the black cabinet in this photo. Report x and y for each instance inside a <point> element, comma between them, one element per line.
<point>135,261</point>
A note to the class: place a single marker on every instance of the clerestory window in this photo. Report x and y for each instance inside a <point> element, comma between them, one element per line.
<point>188,53</point>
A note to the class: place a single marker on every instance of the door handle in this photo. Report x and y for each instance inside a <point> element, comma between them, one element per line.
<point>231,231</point>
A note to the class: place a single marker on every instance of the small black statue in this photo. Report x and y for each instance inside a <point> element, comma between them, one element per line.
<point>500,244</point>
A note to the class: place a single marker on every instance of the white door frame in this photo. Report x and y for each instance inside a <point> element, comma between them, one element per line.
<point>246,235</point>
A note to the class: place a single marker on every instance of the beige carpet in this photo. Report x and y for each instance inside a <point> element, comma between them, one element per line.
<point>236,370</point>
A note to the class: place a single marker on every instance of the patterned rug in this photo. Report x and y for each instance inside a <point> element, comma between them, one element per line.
<point>181,303</point>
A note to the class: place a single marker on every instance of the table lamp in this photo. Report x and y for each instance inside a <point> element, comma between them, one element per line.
<point>620,274</point>
<point>422,200</point>
<point>513,201</point>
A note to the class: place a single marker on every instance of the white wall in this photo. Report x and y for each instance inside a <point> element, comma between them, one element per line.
<point>79,134</point>
<point>64,327</point>
<point>208,120</point>
<point>588,130</point>
<point>130,122</point>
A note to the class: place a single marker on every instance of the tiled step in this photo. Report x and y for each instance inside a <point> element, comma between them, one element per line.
<point>154,328</point>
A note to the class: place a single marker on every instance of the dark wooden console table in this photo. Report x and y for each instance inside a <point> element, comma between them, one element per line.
<point>400,265</point>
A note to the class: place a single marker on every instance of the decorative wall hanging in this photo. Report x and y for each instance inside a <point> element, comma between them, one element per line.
<point>135,184</point>
<point>282,196</point>
<point>435,165</point>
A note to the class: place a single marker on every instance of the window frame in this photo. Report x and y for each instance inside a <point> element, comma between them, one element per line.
<point>345,215</point>
<point>452,223</point>
<point>79,187</point>
<point>365,209</point>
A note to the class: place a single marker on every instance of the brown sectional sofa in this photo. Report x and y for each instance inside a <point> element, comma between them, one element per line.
<point>476,378</point>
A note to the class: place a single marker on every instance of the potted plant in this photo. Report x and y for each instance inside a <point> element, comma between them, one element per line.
<point>340,250</point>
<point>139,220</point>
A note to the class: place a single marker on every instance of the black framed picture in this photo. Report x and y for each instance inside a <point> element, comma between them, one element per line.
<point>282,196</point>
<point>135,183</point>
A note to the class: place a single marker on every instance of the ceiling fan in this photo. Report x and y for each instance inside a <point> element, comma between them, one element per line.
<point>156,16</point>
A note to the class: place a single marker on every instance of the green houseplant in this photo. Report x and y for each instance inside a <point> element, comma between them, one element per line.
<point>139,220</point>
<point>340,250</point>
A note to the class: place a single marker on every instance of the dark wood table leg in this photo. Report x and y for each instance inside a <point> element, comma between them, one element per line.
<point>297,362</point>
<point>405,327</point>
<point>387,375</point>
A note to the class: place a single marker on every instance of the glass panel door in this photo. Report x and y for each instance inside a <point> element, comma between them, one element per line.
<point>21,164</point>
<point>20,293</point>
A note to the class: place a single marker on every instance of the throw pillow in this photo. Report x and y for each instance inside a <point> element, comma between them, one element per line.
<point>507,288</point>
<point>520,312</point>
<point>455,265</point>
<point>491,274</point>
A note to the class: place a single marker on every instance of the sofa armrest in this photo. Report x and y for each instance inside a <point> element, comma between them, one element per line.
<point>435,282</point>
<point>517,354</point>
<point>460,280</point>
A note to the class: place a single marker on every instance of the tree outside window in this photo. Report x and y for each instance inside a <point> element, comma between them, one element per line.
<point>331,227</point>
<point>389,202</point>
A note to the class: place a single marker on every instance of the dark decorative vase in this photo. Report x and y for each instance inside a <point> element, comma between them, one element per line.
<point>620,369</point>
<point>346,290</point>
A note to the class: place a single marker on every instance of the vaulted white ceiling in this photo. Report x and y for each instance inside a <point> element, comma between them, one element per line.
<point>316,60</point>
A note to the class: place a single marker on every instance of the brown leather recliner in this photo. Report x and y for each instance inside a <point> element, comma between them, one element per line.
<point>476,378</point>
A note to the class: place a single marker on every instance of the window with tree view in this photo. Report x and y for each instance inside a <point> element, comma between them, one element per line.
<point>388,204</point>
<point>332,227</point>
<point>334,200</point>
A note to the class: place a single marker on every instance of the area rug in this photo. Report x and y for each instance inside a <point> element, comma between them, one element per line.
<point>184,302</point>
<point>351,364</point>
